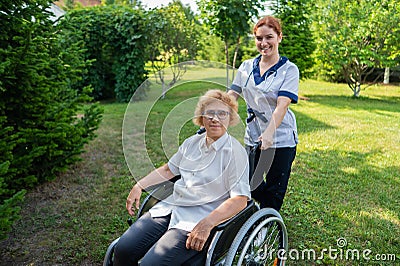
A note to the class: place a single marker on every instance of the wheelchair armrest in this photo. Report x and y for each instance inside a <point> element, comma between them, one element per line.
<point>226,231</point>
<point>246,212</point>
<point>158,192</point>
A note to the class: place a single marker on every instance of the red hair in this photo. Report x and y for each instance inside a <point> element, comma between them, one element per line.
<point>271,22</point>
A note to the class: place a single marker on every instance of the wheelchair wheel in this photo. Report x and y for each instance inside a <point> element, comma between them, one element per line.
<point>262,240</point>
<point>109,257</point>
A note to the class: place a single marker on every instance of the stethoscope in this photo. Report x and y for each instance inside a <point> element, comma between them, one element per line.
<point>267,88</point>
<point>270,72</point>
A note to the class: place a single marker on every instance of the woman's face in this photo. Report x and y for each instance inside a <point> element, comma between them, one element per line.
<point>216,117</point>
<point>267,41</point>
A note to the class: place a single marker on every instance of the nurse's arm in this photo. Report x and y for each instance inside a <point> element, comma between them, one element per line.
<point>234,94</point>
<point>267,137</point>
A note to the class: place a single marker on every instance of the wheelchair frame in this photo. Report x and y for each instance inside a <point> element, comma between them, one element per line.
<point>254,236</point>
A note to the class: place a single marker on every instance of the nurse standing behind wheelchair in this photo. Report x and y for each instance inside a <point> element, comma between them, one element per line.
<point>214,186</point>
<point>269,84</point>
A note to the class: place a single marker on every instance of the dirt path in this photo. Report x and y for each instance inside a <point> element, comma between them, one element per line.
<point>34,238</point>
<point>71,220</point>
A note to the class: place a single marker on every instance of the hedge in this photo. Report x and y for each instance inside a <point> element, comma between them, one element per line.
<point>114,38</point>
<point>45,122</point>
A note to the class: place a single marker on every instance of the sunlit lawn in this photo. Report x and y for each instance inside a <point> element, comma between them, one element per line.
<point>345,181</point>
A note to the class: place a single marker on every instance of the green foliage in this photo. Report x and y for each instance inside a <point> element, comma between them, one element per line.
<point>173,38</point>
<point>229,20</point>
<point>69,4</point>
<point>10,207</point>
<point>41,133</point>
<point>113,38</point>
<point>212,48</point>
<point>9,211</point>
<point>298,43</point>
<point>355,37</point>
<point>172,34</point>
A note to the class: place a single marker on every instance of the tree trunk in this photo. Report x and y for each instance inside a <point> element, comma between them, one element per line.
<point>164,90</point>
<point>234,58</point>
<point>357,89</point>
<point>227,62</point>
<point>163,85</point>
<point>386,76</point>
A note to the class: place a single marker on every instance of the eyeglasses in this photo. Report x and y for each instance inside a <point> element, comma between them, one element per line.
<point>221,114</point>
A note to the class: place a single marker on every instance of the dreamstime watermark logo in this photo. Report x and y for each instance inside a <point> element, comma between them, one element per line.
<point>338,252</point>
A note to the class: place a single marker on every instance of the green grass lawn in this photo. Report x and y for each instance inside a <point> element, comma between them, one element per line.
<point>345,183</point>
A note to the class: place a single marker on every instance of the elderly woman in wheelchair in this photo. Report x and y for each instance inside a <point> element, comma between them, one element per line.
<point>214,186</point>
<point>199,211</point>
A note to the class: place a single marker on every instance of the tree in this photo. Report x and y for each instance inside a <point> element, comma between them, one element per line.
<point>211,47</point>
<point>173,39</point>
<point>41,132</point>
<point>298,43</point>
<point>229,20</point>
<point>354,37</point>
<point>69,4</point>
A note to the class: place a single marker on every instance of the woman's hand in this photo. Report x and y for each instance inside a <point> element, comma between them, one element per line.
<point>199,235</point>
<point>267,139</point>
<point>133,200</point>
<point>155,177</point>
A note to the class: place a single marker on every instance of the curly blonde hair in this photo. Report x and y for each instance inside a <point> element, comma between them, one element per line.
<point>216,96</point>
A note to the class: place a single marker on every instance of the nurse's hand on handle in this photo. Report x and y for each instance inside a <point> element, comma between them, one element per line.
<point>267,139</point>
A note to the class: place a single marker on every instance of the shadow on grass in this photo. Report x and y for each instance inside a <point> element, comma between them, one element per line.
<point>307,124</point>
<point>390,104</point>
<point>339,194</point>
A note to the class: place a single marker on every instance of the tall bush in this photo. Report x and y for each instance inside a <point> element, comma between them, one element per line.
<point>114,38</point>
<point>44,123</point>
<point>298,43</point>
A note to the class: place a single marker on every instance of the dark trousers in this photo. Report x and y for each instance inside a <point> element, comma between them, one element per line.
<point>270,175</point>
<point>149,240</point>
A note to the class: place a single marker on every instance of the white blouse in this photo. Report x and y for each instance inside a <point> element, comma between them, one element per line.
<point>209,176</point>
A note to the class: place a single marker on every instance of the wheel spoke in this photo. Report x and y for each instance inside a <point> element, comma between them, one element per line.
<point>259,240</point>
<point>264,245</point>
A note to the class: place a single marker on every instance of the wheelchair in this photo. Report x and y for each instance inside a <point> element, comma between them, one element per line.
<point>254,236</point>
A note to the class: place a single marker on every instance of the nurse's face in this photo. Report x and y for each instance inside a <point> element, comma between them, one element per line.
<point>216,117</point>
<point>267,41</point>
